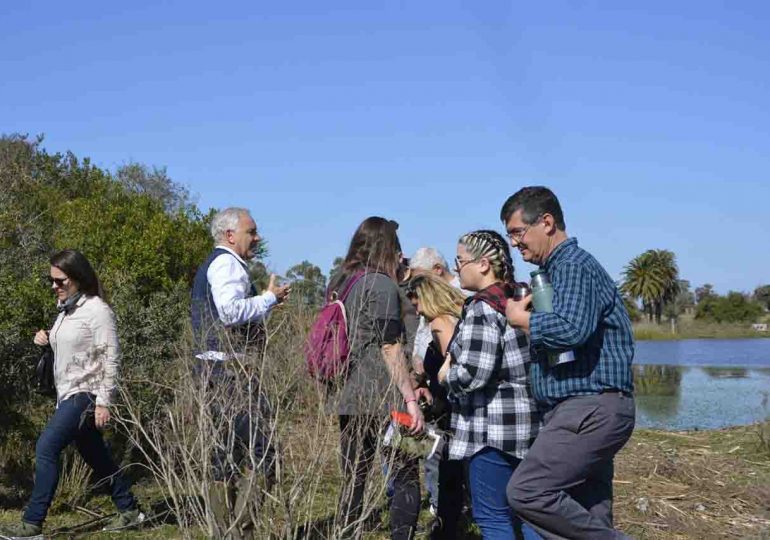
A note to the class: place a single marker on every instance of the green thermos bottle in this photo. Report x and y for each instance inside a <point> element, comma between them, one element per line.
<point>542,291</point>
<point>542,301</point>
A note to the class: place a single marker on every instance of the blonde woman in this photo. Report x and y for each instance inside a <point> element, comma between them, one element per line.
<point>441,304</point>
<point>494,416</point>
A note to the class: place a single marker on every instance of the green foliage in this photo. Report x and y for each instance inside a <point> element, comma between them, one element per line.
<point>633,310</point>
<point>139,231</point>
<point>652,277</point>
<point>154,182</point>
<point>735,307</point>
<point>336,265</point>
<point>703,292</point>
<point>309,284</point>
<point>762,296</point>
<point>681,302</point>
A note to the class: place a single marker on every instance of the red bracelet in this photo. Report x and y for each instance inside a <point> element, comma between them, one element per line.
<point>410,400</point>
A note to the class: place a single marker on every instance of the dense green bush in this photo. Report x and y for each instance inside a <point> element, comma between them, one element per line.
<point>144,243</point>
<point>735,307</point>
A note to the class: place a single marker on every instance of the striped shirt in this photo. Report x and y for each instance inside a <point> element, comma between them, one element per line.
<point>590,319</point>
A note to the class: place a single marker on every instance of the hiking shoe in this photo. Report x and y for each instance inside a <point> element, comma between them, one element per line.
<point>25,530</point>
<point>125,520</point>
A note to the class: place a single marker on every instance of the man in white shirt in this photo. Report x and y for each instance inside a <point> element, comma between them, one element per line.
<point>227,319</point>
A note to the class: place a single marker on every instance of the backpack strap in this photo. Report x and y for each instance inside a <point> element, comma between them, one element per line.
<point>348,286</point>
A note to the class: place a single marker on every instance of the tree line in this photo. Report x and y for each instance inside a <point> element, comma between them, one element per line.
<point>651,280</point>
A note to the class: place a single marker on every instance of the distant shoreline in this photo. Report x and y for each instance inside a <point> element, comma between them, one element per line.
<point>696,330</point>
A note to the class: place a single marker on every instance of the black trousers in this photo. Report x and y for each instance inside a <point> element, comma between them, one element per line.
<point>359,436</point>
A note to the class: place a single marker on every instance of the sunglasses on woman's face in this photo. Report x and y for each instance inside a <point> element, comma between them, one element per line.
<point>59,282</point>
<point>411,287</point>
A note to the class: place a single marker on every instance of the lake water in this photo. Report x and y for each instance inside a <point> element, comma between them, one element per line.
<point>702,383</point>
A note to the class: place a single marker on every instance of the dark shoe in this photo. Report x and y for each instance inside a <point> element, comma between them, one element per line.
<point>23,530</point>
<point>125,520</point>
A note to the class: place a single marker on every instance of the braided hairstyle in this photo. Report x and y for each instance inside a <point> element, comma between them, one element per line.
<point>493,247</point>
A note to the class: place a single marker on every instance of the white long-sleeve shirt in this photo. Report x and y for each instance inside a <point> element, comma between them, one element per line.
<point>230,289</point>
<point>86,351</point>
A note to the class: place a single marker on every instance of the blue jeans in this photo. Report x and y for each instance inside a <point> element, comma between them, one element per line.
<point>73,421</point>
<point>489,471</point>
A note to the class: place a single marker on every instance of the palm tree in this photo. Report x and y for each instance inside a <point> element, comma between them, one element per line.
<point>652,277</point>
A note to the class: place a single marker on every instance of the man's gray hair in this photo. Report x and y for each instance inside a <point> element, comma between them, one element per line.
<point>226,220</point>
<point>426,258</point>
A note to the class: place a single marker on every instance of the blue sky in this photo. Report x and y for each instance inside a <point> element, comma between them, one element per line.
<point>651,123</point>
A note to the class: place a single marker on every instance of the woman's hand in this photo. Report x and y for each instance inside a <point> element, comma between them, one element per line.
<point>41,338</point>
<point>101,416</point>
<point>444,371</point>
<point>423,393</point>
<point>418,422</point>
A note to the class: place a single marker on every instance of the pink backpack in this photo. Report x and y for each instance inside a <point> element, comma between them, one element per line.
<point>327,347</point>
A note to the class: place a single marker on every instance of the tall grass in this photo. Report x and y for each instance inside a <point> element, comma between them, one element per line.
<point>177,436</point>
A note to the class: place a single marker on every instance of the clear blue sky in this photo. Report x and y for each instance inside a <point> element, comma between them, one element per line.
<point>651,123</point>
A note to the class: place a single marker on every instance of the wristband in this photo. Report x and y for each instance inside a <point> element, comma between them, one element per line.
<point>406,401</point>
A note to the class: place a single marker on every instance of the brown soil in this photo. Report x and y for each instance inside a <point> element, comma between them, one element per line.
<point>701,484</point>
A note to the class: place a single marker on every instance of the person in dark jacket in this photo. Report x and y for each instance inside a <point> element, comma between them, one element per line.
<point>227,320</point>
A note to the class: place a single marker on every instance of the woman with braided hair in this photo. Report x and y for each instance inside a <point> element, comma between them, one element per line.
<point>494,417</point>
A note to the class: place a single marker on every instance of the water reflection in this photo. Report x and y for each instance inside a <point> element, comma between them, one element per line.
<point>726,373</point>
<point>676,397</point>
<point>658,389</point>
<point>654,380</point>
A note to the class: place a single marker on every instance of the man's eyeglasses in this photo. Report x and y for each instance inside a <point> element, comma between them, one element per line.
<point>517,233</point>
<point>59,282</point>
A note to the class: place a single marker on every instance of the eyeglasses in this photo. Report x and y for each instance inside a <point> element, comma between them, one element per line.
<point>411,286</point>
<point>517,234</point>
<point>59,282</point>
<point>460,264</point>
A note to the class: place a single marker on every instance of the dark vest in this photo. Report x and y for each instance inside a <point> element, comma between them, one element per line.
<point>208,330</point>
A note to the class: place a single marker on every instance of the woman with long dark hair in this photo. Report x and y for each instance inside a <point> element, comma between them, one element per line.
<point>494,416</point>
<point>376,380</point>
<point>86,356</point>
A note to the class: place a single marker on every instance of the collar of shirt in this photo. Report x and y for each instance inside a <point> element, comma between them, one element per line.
<point>240,259</point>
<point>559,252</point>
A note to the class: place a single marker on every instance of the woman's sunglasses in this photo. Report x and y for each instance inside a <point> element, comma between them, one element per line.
<point>59,282</point>
<point>412,285</point>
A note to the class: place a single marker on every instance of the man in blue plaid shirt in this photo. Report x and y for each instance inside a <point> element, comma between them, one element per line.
<point>564,485</point>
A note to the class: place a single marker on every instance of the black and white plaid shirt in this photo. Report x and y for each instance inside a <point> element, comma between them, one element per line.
<point>492,403</point>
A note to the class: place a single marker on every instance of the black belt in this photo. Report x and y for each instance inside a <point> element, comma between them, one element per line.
<point>616,391</point>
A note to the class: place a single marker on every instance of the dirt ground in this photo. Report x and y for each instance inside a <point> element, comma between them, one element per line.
<point>695,484</point>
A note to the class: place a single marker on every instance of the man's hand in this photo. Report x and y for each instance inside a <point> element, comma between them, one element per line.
<point>516,312</point>
<point>281,292</point>
<point>101,416</point>
<point>418,422</point>
<point>41,338</point>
